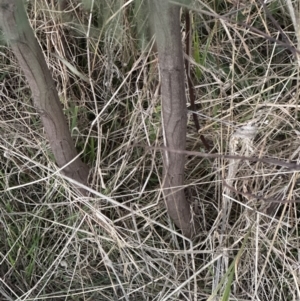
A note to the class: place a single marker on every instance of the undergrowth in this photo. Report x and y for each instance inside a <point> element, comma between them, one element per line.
<point>119,243</point>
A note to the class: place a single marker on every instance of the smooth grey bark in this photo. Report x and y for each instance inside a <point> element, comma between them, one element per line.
<point>166,21</point>
<point>19,34</point>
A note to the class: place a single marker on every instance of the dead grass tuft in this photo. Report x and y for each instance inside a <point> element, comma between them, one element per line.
<point>119,243</point>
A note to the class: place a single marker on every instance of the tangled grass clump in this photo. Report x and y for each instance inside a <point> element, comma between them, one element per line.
<point>119,243</point>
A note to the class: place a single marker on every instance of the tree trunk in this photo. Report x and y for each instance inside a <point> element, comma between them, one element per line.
<point>16,27</point>
<point>166,22</point>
